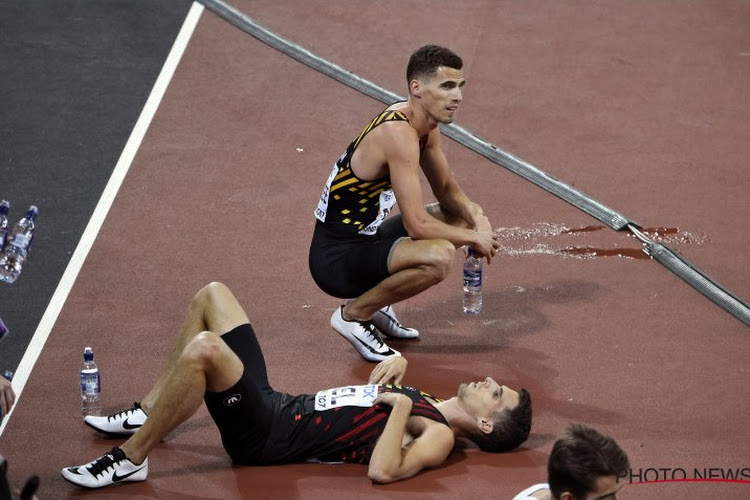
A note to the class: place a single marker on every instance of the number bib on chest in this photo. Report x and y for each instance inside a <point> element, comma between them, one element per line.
<point>352,395</point>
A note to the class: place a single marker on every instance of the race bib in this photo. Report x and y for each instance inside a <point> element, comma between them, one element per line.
<point>322,208</point>
<point>387,200</point>
<point>352,395</point>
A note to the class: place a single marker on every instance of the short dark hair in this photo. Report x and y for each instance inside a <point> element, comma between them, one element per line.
<point>579,457</point>
<point>510,428</point>
<point>426,60</point>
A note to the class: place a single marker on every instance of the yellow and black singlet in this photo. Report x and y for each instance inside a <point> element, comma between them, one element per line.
<point>353,203</point>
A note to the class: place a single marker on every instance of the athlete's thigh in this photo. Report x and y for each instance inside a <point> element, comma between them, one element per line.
<point>407,253</point>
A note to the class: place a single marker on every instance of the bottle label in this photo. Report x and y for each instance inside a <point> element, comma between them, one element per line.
<point>472,278</point>
<point>21,241</point>
<point>90,385</point>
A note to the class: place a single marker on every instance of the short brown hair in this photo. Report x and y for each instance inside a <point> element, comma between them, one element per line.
<point>426,60</point>
<point>579,457</point>
<point>510,428</point>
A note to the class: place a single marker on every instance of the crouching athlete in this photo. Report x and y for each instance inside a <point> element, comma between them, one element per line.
<point>217,359</point>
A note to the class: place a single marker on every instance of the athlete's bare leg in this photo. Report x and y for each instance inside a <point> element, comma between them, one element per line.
<point>214,308</point>
<point>415,266</point>
<point>206,364</point>
<point>200,362</point>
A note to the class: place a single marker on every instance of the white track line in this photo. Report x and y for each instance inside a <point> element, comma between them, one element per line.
<point>102,208</point>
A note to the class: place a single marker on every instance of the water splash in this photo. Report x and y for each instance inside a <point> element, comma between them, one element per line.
<point>544,238</point>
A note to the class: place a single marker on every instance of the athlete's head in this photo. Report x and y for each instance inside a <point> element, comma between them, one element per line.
<point>585,464</point>
<point>503,415</point>
<point>435,80</point>
<point>425,61</point>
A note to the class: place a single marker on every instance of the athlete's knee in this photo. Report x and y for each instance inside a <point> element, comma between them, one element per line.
<point>440,257</point>
<point>209,295</point>
<point>203,349</point>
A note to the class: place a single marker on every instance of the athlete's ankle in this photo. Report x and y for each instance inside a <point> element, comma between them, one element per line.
<point>350,318</point>
<point>134,457</point>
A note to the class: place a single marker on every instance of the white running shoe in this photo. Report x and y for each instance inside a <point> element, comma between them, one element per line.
<point>110,468</point>
<point>386,321</point>
<point>363,336</point>
<point>123,423</point>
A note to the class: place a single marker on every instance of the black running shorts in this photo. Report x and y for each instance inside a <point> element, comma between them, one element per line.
<point>245,412</point>
<point>347,264</point>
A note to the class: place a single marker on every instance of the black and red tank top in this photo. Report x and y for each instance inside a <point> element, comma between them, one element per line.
<point>341,424</point>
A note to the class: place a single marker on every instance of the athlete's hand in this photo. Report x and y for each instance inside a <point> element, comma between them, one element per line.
<point>392,399</point>
<point>482,223</point>
<point>7,397</point>
<point>486,245</point>
<point>389,371</point>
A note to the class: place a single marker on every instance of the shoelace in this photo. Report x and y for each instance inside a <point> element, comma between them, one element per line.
<point>124,413</point>
<point>372,332</point>
<point>106,461</point>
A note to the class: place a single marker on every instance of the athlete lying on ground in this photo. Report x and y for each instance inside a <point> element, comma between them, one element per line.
<point>399,431</point>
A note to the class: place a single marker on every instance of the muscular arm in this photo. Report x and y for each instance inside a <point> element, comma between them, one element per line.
<point>401,148</point>
<point>453,200</point>
<point>390,461</point>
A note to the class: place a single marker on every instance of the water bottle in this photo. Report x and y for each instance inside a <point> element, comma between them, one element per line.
<point>472,283</point>
<point>91,400</point>
<point>17,248</point>
<point>4,209</point>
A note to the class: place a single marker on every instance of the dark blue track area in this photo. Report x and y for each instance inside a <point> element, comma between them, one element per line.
<point>74,77</point>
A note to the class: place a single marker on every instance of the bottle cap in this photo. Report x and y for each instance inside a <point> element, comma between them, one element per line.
<point>32,212</point>
<point>4,207</point>
<point>8,375</point>
<point>471,252</point>
<point>88,354</point>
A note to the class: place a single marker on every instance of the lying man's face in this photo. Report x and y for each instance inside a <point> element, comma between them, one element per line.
<point>487,397</point>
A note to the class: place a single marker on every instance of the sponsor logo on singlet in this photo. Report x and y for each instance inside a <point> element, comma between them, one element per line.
<point>232,400</point>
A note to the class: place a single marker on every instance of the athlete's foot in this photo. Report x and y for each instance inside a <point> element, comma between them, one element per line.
<point>110,468</point>
<point>386,321</point>
<point>363,336</point>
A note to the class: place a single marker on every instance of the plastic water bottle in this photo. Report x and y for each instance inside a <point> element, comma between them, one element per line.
<point>4,209</point>
<point>17,248</point>
<point>472,283</point>
<point>91,389</point>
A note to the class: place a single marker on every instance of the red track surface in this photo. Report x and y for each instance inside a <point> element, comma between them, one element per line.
<point>644,105</point>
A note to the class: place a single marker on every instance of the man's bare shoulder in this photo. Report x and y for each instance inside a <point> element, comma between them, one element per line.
<point>436,430</point>
<point>402,106</point>
<point>395,137</point>
<point>436,440</point>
